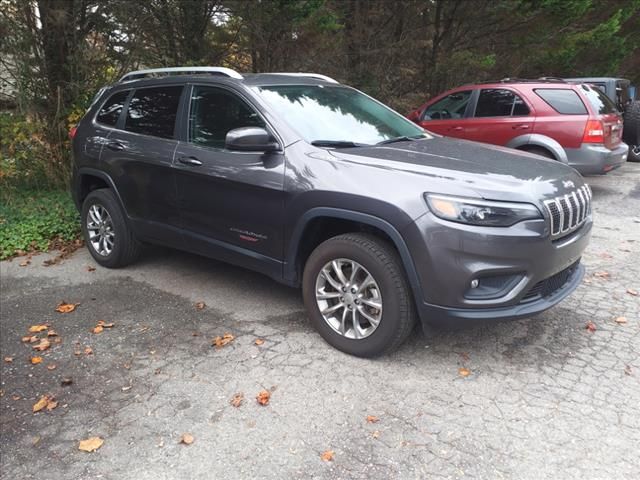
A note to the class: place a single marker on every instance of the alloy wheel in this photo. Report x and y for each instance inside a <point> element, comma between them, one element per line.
<point>100,229</point>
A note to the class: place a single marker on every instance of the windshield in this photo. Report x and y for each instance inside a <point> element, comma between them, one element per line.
<point>324,114</point>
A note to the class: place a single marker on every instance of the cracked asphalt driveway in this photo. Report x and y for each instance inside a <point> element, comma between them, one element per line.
<point>546,398</point>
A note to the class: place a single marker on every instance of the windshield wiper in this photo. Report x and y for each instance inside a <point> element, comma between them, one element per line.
<point>337,144</point>
<point>403,138</point>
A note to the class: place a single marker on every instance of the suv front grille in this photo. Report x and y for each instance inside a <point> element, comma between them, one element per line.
<point>550,285</point>
<point>569,212</point>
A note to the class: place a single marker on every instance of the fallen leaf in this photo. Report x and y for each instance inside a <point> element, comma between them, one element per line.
<point>602,274</point>
<point>97,329</point>
<point>51,405</point>
<point>43,403</point>
<point>220,342</point>
<point>37,328</point>
<point>621,320</point>
<point>64,307</point>
<point>90,268</point>
<point>30,339</point>
<point>376,434</point>
<point>52,333</point>
<point>43,345</point>
<point>327,456</point>
<point>35,440</point>
<point>8,359</point>
<point>36,360</point>
<point>25,263</point>
<point>464,372</point>
<point>126,388</point>
<point>263,397</point>
<point>90,444</point>
<point>237,399</point>
<point>259,341</point>
<point>627,370</point>
<point>590,326</point>
<point>633,292</point>
<point>51,366</point>
<point>187,439</point>
<point>372,419</point>
<point>66,381</point>
<point>104,324</point>
<point>605,255</point>
<point>88,351</point>
<point>200,305</point>
<point>15,397</point>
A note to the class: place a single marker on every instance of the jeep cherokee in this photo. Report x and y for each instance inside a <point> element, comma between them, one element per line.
<point>318,185</point>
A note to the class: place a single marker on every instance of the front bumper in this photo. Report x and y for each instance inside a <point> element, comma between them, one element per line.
<point>596,159</point>
<point>448,257</point>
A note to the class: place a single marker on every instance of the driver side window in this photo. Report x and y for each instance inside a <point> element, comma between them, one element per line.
<point>450,107</point>
<point>214,112</point>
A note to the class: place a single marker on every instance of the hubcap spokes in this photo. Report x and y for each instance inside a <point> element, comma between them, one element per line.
<point>349,298</point>
<point>100,229</point>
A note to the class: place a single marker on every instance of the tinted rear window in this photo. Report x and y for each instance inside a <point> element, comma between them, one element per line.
<point>153,111</point>
<point>600,103</point>
<point>110,111</point>
<point>563,100</point>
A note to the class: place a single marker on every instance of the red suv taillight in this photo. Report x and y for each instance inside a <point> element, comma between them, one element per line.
<point>594,132</point>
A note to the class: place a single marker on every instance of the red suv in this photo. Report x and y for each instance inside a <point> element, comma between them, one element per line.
<point>574,124</point>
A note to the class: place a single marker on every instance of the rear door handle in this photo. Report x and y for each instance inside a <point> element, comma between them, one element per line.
<point>456,129</point>
<point>115,146</point>
<point>521,127</point>
<point>191,161</point>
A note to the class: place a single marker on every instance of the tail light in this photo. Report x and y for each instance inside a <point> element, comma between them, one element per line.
<point>72,132</point>
<point>594,132</point>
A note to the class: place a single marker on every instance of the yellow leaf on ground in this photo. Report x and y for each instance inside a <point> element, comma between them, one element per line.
<point>36,360</point>
<point>97,329</point>
<point>104,324</point>
<point>263,397</point>
<point>372,419</point>
<point>45,402</point>
<point>621,320</point>
<point>187,439</point>
<point>90,444</point>
<point>51,366</point>
<point>259,341</point>
<point>8,359</point>
<point>590,326</point>
<point>602,274</point>
<point>237,399</point>
<point>30,339</point>
<point>43,345</point>
<point>88,351</point>
<point>220,342</point>
<point>200,305</point>
<point>633,292</point>
<point>52,333</point>
<point>327,456</point>
<point>464,372</point>
<point>64,307</point>
<point>37,328</point>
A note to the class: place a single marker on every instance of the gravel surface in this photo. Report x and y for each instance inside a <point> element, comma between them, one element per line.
<point>544,398</point>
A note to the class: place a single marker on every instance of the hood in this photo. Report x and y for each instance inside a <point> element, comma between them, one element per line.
<point>491,172</point>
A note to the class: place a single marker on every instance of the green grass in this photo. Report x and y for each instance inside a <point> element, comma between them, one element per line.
<point>30,220</point>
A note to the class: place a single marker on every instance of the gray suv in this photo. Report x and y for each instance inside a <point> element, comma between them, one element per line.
<point>318,185</point>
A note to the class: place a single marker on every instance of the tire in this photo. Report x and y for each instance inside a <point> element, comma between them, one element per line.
<point>543,152</point>
<point>396,316</point>
<point>631,132</point>
<point>125,248</point>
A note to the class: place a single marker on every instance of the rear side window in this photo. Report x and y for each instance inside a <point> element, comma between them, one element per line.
<point>600,103</point>
<point>110,111</point>
<point>499,102</point>
<point>153,111</point>
<point>562,100</point>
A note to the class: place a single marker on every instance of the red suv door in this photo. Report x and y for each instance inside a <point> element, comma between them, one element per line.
<point>446,115</point>
<point>500,115</point>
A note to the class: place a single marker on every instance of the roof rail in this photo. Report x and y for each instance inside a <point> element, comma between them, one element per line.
<point>553,79</point>
<point>171,70</point>
<point>309,75</point>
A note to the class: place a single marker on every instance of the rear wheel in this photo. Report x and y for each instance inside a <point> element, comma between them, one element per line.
<point>357,296</point>
<point>107,234</point>
<point>631,132</point>
<point>543,152</point>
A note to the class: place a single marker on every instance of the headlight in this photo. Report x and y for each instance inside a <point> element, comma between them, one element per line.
<point>480,212</point>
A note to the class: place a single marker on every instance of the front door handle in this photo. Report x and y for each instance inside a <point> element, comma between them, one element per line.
<point>522,126</point>
<point>456,129</point>
<point>191,161</point>
<point>115,146</point>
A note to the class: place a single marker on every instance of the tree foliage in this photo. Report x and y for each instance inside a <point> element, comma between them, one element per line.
<point>57,53</point>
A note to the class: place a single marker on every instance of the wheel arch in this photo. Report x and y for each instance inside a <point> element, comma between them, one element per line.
<point>304,239</point>
<point>540,141</point>
<point>89,179</point>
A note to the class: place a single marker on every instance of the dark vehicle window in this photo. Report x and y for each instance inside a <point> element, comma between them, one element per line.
<point>152,111</point>
<point>214,112</point>
<point>110,111</point>
<point>562,100</point>
<point>600,103</point>
<point>450,107</point>
<point>498,102</point>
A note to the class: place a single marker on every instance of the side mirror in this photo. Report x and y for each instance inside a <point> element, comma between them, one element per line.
<point>251,139</point>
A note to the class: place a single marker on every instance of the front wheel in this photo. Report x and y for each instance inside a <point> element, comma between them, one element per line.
<point>357,296</point>
<point>107,234</point>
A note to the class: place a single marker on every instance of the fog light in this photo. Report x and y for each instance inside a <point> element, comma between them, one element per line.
<point>474,283</point>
